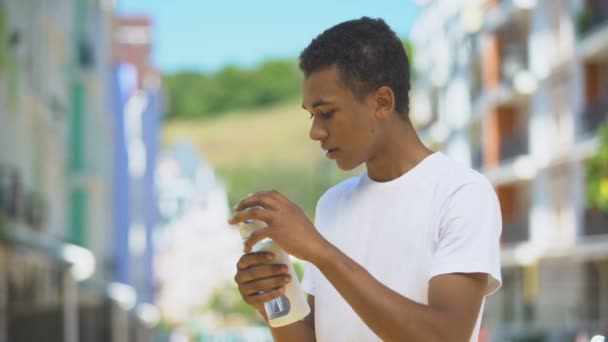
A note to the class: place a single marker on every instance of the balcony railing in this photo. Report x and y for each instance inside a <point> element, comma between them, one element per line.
<point>515,230</point>
<point>592,18</point>
<point>595,222</point>
<point>513,60</point>
<point>594,114</point>
<point>514,145</point>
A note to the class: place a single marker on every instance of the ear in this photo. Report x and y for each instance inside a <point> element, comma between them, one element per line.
<point>385,102</point>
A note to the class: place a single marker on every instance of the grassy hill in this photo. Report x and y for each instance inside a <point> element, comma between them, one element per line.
<point>262,149</point>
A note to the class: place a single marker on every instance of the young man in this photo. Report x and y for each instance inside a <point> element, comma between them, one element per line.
<point>405,252</point>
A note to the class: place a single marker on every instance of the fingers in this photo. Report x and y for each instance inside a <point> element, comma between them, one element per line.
<point>258,281</point>
<point>252,259</point>
<point>251,213</point>
<point>261,298</point>
<point>260,272</point>
<point>263,285</point>
<point>255,237</point>
<point>266,199</point>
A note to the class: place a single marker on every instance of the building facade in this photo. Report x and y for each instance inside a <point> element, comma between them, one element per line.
<point>137,102</point>
<point>517,90</point>
<point>57,259</point>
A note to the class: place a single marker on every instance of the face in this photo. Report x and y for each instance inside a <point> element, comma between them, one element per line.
<point>346,127</point>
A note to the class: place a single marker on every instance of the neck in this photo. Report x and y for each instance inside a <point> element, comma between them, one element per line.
<point>400,151</point>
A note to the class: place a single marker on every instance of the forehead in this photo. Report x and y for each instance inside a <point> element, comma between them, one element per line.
<point>323,84</point>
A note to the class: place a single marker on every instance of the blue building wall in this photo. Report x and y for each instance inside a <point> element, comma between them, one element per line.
<point>153,117</point>
<point>121,88</point>
<point>135,199</point>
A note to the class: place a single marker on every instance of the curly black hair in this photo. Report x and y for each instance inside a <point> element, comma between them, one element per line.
<point>368,55</point>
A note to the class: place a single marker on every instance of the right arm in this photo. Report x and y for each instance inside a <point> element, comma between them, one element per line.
<point>260,282</point>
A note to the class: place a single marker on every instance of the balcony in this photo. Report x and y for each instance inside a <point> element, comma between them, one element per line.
<point>512,61</point>
<point>20,204</point>
<point>514,145</point>
<point>595,222</point>
<point>592,17</point>
<point>514,78</point>
<point>594,114</point>
<point>515,230</point>
<point>501,13</point>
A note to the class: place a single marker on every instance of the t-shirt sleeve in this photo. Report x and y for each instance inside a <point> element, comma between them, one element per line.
<point>469,234</point>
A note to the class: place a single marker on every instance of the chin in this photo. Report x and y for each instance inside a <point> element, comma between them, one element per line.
<point>346,166</point>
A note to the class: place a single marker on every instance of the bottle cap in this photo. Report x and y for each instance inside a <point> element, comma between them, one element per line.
<point>250,226</point>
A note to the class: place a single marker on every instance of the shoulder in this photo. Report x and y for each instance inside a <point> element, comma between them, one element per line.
<point>471,207</point>
<point>458,179</point>
<point>337,192</point>
<point>461,190</point>
<point>330,202</point>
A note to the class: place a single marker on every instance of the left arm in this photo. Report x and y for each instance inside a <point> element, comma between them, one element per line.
<point>454,302</point>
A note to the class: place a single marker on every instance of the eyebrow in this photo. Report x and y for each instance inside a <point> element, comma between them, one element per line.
<point>318,103</point>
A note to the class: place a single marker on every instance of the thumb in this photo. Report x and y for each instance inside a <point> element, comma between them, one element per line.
<point>256,237</point>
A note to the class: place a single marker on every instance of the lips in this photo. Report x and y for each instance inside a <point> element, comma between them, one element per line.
<point>331,153</point>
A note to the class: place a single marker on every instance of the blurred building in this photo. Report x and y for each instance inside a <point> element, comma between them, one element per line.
<point>137,102</point>
<point>53,197</point>
<point>57,258</point>
<point>517,89</point>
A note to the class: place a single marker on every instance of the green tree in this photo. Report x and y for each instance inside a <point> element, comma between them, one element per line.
<point>597,173</point>
<point>409,49</point>
<point>197,95</point>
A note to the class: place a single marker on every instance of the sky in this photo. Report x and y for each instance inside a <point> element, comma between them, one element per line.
<point>206,36</point>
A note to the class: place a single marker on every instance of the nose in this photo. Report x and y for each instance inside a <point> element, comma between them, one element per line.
<point>317,131</point>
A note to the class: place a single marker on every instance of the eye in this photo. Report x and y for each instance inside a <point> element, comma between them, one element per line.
<point>324,115</point>
<point>327,115</point>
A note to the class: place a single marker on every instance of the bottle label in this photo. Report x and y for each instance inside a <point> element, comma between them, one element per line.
<point>277,307</point>
<point>260,245</point>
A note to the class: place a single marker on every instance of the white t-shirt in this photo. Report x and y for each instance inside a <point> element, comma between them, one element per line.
<point>438,218</point>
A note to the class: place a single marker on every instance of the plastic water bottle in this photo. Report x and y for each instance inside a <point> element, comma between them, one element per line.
<point>292,305</point>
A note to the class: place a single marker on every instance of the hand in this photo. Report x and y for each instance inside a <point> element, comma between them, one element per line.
<point>259,281</point>
<point>286,224</point>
